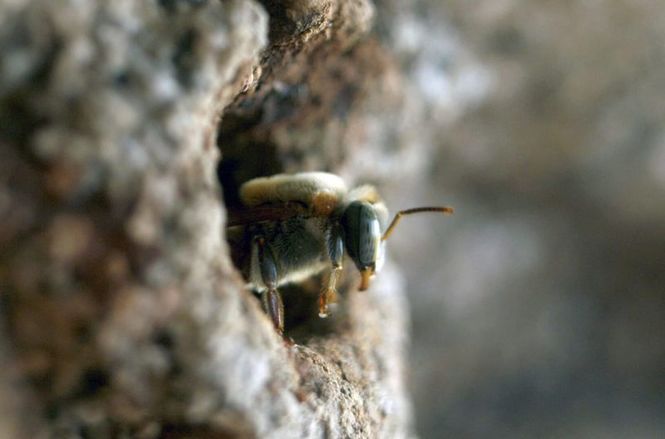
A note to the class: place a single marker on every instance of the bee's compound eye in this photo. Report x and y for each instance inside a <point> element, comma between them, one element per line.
<point>363,234</point>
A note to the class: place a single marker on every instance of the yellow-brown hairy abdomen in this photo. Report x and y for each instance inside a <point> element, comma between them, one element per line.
<point>320,191</point>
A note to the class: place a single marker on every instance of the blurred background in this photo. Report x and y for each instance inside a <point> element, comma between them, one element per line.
<point>538,309</point>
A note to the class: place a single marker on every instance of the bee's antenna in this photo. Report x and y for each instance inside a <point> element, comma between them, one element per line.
<point>398,216</point>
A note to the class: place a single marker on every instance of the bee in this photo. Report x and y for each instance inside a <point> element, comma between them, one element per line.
<point>299,225</point>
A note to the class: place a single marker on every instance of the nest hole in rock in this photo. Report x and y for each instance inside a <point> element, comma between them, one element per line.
<point>246,155</point>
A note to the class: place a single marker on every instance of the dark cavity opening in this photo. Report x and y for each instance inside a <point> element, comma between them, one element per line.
<point>247,152</point>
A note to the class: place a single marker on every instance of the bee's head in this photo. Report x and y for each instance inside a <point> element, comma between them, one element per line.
<point>362,232</point>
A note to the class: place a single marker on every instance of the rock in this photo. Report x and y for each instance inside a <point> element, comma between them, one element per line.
<point>123,313</point>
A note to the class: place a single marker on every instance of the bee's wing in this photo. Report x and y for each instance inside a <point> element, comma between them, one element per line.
<point>266,212</point>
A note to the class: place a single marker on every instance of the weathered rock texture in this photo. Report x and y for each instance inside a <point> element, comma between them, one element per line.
<point>122,314</point>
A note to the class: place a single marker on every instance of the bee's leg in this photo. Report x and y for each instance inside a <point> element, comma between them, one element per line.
<point>273,305</point>
<point>329,294</point>
<point>335,248</point>
<point>270,297</point>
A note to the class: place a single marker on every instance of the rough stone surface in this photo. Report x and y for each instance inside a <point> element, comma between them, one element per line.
<point>122,314</point>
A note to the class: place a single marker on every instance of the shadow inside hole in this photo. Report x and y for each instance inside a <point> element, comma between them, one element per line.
<point>241,163</point>
<point>301,312</point>
<point>245,154</point>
